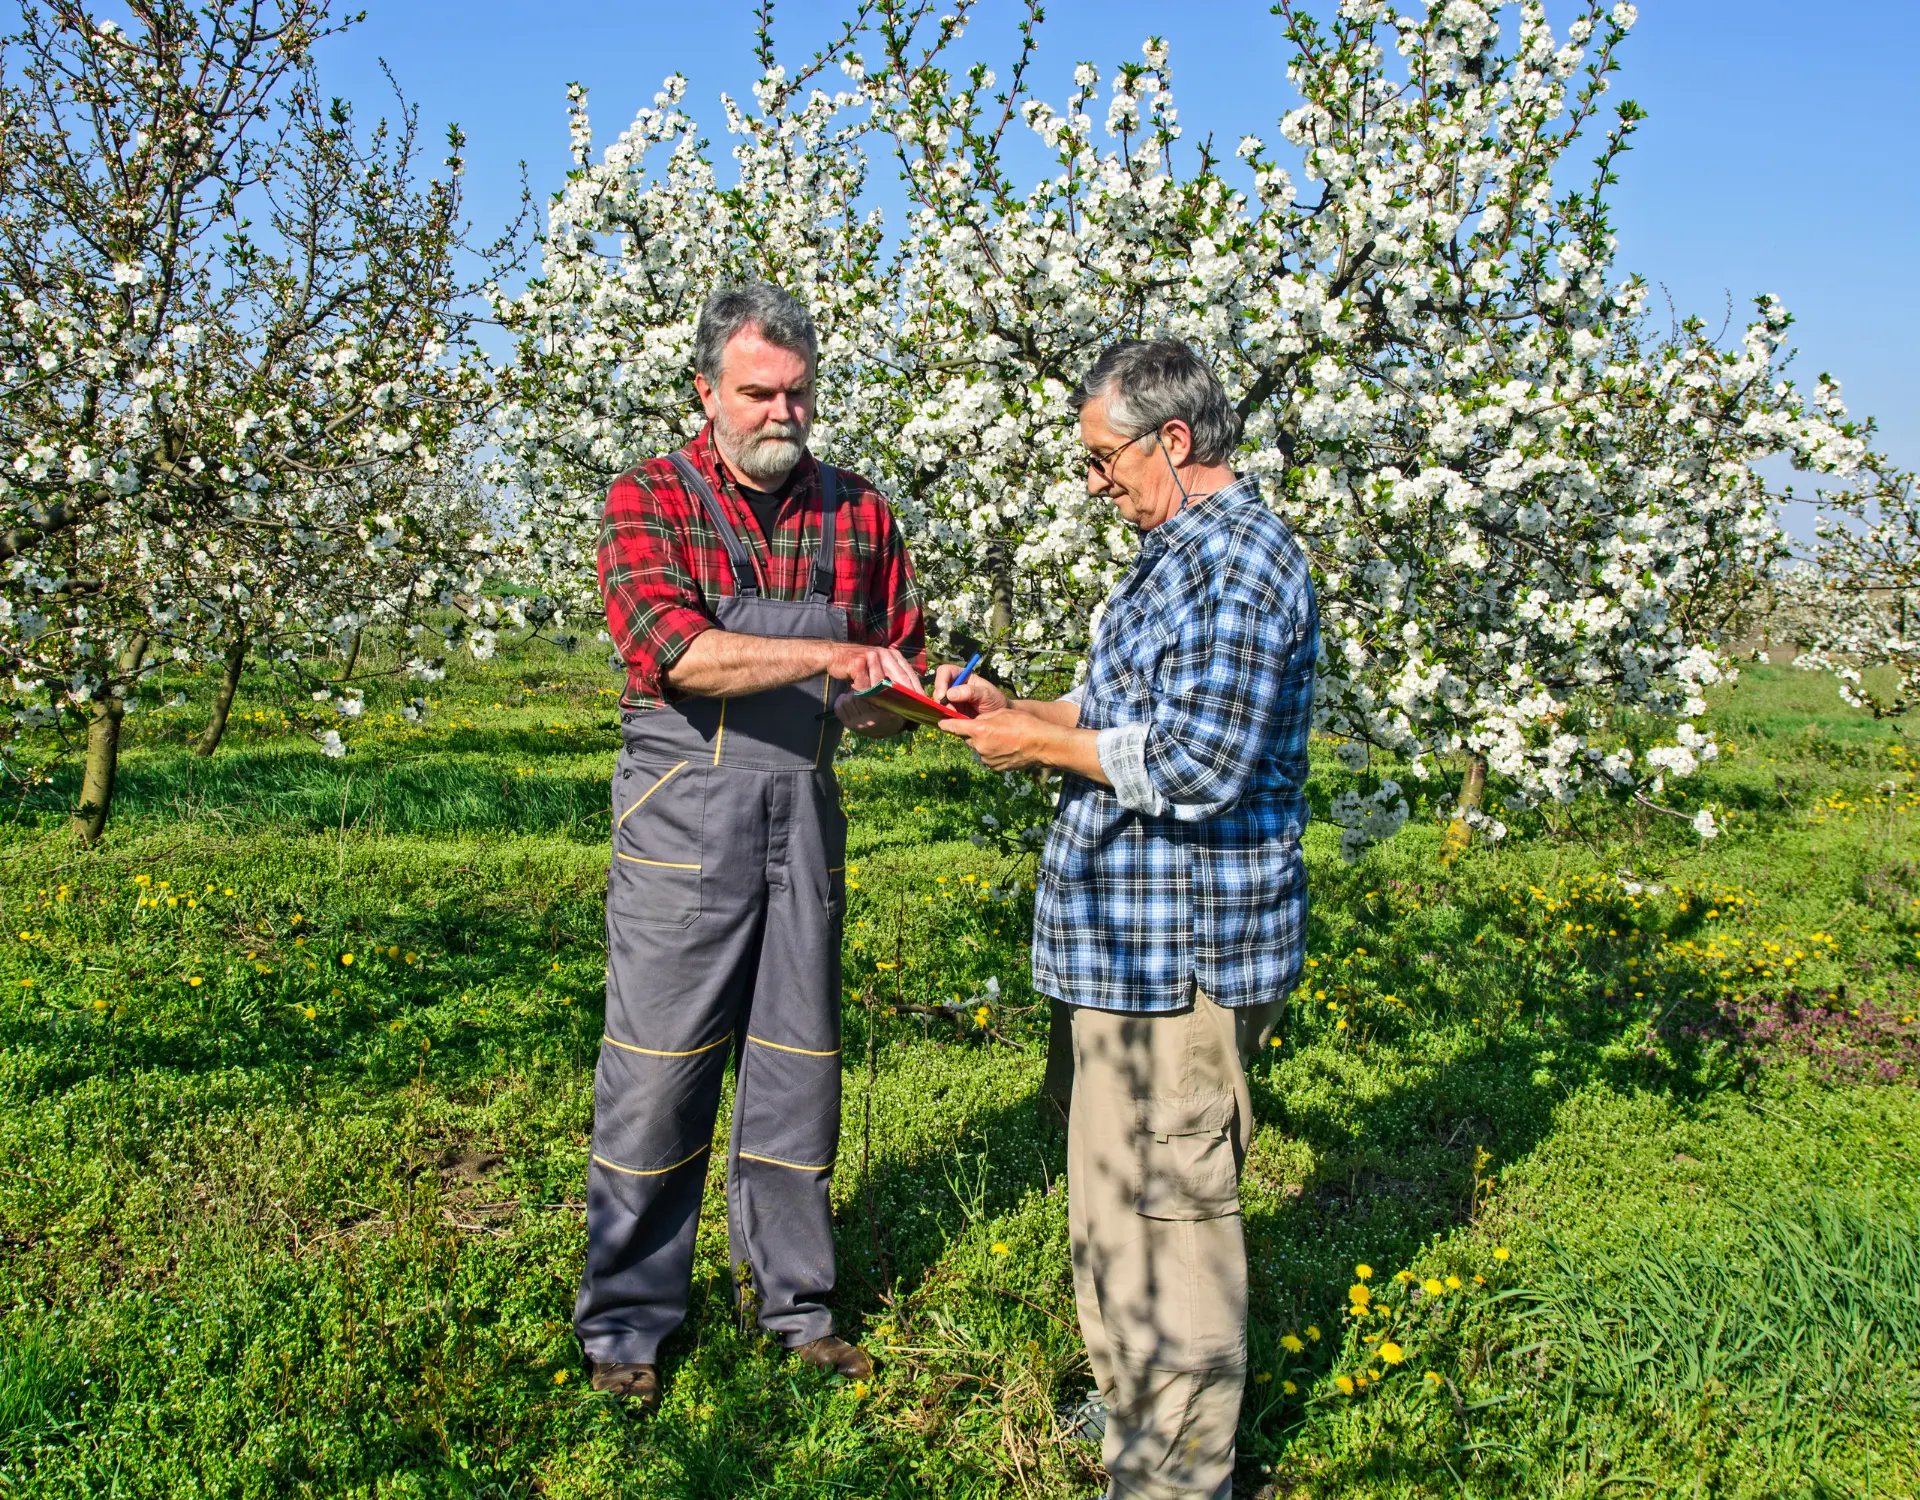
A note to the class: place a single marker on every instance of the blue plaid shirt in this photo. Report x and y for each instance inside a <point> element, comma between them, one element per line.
<point>1187,870</point>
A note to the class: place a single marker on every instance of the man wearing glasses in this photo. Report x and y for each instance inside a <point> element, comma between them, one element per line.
<point>1171,911</point>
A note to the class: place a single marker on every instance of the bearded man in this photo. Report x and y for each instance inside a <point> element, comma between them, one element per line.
<point>747,586</point>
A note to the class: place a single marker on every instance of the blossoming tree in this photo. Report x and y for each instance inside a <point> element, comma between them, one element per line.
<point>1855,604</point>
<point>1533,523</point>
<point>222,299</point>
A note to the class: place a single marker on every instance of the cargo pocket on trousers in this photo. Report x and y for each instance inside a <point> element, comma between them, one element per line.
<point>833,846</point>
<point>659,816</point>
<point>1187,1168</point>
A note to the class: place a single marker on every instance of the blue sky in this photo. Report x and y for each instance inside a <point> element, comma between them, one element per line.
<point>1776,159</point>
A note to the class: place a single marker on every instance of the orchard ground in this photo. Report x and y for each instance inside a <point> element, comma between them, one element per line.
<point>295,1090</point>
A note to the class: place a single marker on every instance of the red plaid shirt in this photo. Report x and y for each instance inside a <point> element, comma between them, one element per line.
<point>663,565</point>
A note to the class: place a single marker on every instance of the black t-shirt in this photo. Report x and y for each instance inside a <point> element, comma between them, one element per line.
<point>765,504</point>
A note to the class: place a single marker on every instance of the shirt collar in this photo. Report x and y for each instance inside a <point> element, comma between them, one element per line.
<point>1191,519</point>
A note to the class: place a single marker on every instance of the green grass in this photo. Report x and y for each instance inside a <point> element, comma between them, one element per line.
<point>312,1227</point>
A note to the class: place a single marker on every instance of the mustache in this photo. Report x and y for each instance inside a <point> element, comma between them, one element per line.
<point>778,432</point>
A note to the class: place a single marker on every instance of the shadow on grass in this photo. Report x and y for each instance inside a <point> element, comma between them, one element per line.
<point>370,1037</point>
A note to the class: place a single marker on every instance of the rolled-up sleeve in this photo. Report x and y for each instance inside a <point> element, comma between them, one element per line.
<point>1216,705</point>
<point>654,608</point>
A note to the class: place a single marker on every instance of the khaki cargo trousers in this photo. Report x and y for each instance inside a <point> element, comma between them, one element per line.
<point>1156,1135</point>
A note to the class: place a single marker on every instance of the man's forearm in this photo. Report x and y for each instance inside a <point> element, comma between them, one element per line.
<point>1075,750</point>
<point>729,663</point>
<point>1061,711</point>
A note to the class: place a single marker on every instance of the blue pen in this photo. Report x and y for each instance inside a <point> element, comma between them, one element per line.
<point>965,672</point>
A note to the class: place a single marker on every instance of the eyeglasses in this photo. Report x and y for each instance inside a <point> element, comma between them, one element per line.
<point>1099,462</point>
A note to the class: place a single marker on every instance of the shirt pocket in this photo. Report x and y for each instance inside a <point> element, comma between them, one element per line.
<point>1188,1169</point>
<point>659,816</point>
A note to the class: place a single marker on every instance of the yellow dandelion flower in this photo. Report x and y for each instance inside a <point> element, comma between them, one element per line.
<point>981,1017</point>
<point>1431,1377</point>
<point>559,1377</point>
<point>195,982</point>
<point>308,1011</point>
<point>1344,1384</point>
<point>1358,1294</point>
<point>346,960</point>
<point>1454,1283</point>
<point>1265,1377</point>
<point>1501,1252</point>
<point>1432,1287</point>
<point>860,1390</point>
<point>1289,1388</point>
<point>1363,1271</point>
<point>1313,1332</point>
<point>1392,1353</point>
<point>1291,1343</point>
<point>1000,1247</point>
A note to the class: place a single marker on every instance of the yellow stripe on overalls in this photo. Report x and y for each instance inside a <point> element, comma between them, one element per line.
<point>761,1041</point>
<point>614,1166</point>
<point>651,790</point>
<point>651,1052</point>
<point>774,1161</point>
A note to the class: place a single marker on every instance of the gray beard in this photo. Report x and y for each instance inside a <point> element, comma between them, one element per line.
<point>765,459</point>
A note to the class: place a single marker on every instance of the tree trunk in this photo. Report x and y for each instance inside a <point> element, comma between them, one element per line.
<point>1000,615</point>
<point>103,747</point>
<point>353,655</point>
<point>236,661</point>
<point>1473,792</point>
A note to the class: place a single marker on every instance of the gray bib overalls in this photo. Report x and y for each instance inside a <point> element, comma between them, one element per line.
<point>724,902</point>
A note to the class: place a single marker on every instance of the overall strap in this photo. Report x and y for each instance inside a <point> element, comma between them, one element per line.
<point>744,583</point>
<point>822,589</point>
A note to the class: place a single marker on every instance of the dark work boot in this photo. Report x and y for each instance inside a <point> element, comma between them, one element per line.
<point>834,1353</point>
<point>639,1384</point>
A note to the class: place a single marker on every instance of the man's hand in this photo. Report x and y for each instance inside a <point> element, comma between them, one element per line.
<point>975,694</point>
<point>867,667</point>
<point>866,718</point>
<point>1009,739</point>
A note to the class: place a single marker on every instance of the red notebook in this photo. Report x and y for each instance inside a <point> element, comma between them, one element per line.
<point>911,703</point>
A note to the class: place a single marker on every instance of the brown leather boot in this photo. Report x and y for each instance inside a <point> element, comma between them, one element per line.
<point>834,1353</point>
<point>639,1384</point>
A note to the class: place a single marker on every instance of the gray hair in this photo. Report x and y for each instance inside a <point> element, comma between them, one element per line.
<point>780,320</point>
<point>1149,384</point>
